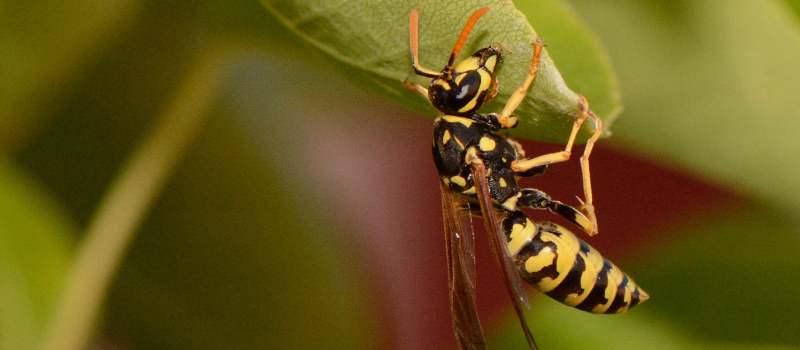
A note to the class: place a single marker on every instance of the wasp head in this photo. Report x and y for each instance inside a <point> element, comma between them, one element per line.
<point>462,89</point>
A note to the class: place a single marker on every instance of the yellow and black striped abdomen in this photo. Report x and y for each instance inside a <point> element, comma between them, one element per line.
<point>567,269</point>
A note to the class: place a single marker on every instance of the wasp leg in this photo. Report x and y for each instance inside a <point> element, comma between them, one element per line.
<point>524,165</point>
<point>536,199</point>
<point>416,88</point>
<point>588,205</point>
<point>505,118</point>
<point>535,171</point>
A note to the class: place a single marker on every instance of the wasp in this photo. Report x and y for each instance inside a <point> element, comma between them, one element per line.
<point>479,168</point>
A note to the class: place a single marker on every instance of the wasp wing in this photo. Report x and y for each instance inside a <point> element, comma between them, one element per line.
<point>460,248</point>
<point>497,239</point>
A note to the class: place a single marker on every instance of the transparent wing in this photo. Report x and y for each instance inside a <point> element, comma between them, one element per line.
<point>460,247</point>
<point>497,239</point>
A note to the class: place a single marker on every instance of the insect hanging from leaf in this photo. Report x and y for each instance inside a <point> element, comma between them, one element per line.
<point>479,168</point>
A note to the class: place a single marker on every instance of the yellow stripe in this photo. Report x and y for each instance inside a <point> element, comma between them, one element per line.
<point>628,296</point>
<point>614,279</point>
<point>539,261</point>
<point>568,247</point>
<point>468,64</point>
<point>470,105</point>
<point>486,80</point>
<point>455,119</point>
<point>593,263</point>
<point>446,137</point>
<point>444,84</point>
<point>594,260</point>
<point>588,280</point>
<point>490,63</point>
<point>511,202</point>
<point>520,236</point>
<point>459,78</point>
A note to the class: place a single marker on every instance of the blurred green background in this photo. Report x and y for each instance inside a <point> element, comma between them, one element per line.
<point>262,199</point>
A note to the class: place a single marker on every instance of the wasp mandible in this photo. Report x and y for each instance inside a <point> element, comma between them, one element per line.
<point>480,168</point>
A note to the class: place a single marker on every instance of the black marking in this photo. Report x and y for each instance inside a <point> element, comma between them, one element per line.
<point>598,294</point>
<point>585,248</point>
<point>566,211</point>
<point>635,297</point>
<point>514,218</point>
<point>619,299</point>
<point>533,248</point>
<point>534,198</point>
<point>549,227</point>
<point>500,193</point>
<point>572,283</point>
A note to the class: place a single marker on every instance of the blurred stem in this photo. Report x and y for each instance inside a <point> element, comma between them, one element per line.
<point>129,197</point>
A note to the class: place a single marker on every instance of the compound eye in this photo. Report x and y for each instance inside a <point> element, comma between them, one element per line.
<point>467,85</point>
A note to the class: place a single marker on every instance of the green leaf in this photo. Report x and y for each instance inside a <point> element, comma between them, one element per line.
<point>370,42</point>
<point>34,255</point>
<point>711,87</point>
<point>43,43</point>
<point>583,62</point>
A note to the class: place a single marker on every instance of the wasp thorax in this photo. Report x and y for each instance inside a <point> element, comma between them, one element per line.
<point>462,89</point>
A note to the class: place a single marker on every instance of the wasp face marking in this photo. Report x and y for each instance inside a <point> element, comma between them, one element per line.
<point>462,90</point>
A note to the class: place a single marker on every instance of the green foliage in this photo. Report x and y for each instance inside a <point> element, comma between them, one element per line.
<point>795,5</point>
<point>34,255</point>
<point>232,253</point>
<point>370,42</point>
<point>720,97</point>
<point>263,272</point>
<point>44,43</point>
<point>739,264</point>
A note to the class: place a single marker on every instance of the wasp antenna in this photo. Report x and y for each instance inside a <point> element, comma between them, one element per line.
<point>413,44</point>
<point>413,36</point>
<point>462,38</point>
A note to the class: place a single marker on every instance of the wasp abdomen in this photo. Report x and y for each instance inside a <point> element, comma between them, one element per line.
<point>567,269</point>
